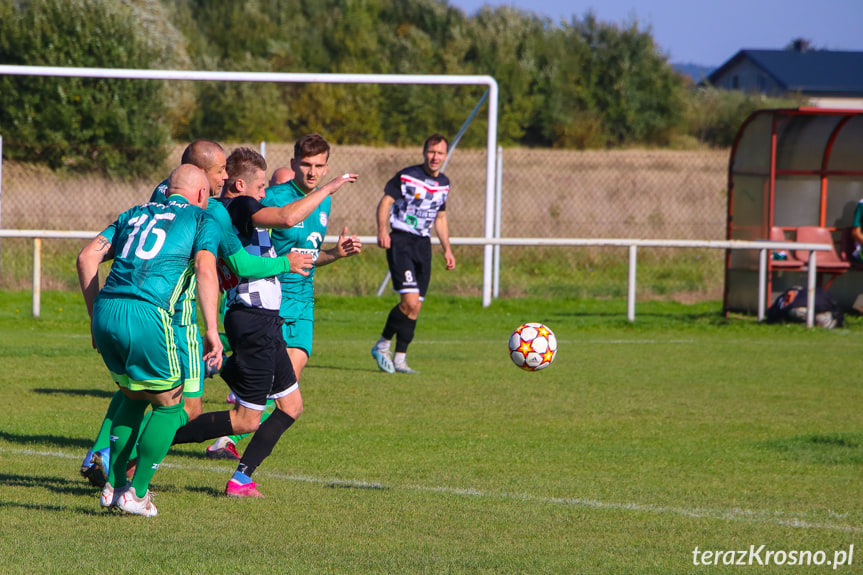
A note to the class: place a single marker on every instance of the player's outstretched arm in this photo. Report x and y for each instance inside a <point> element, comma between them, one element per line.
<point>291,214</point>
<point>235,256</point>
<point>245,265</point>
<point>208,296</point>
<point>346,246</point>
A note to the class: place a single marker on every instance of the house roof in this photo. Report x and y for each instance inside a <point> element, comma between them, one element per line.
<point>809,71</point>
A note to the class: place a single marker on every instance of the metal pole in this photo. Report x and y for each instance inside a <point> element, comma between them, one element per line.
<point>810,289</point>
<point>384,283</point>
<point>762,282</point>
<point>489,191</point>
<point>630,289</point>
<point>37,276</point>
<point>1,177</point>
<point>497,208</point>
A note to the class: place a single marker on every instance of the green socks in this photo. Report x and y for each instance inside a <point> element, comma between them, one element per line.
<point>154,443</point>
<point>124,431</point>
<point>103,440</point>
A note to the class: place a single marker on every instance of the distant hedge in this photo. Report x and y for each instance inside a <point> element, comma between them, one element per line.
<point>579,84</point>
<point>82,124</point>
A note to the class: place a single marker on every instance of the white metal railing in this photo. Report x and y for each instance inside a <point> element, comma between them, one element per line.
<point>217,76</point>
<point>632,244</point>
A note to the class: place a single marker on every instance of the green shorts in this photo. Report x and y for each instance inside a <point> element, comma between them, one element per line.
<point>191,351</point>
<point>136,341</point>
<point>298,333</point>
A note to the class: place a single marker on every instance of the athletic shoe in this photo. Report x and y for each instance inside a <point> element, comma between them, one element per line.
<point>97,472</point>
<point>385,362</point>
<point>231,398</point>
<point>129,502</point>
<point>237,489</point>
<point>403,368</point>
<point>224,448</point>
<point>87,463</point>
<point>109,496</point>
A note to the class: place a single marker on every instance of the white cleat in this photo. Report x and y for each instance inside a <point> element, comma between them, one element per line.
<point>385,362</point>
<point>108,497</point>
<point>129,502</point>
<point>403,368</point>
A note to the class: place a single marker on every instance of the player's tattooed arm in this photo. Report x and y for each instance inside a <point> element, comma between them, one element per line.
<point>97,251</point>
<point>103,246</point>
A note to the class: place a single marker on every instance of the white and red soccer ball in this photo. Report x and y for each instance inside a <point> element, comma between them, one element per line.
<point>532,346</point>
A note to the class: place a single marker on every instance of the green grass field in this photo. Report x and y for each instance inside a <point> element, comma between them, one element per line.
<point>640,443</point>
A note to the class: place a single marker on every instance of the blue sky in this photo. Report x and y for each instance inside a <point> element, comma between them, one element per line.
<point>709,32</point>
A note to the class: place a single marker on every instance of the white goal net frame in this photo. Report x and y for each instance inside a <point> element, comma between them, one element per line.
<point>490,83</point>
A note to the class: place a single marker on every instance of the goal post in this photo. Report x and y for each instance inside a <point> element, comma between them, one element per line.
<point>310,78</point>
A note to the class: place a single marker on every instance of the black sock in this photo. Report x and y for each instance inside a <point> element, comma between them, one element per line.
<point>264,440</point>
<point>206,426</point>
<point>391,326</point>
<point>406,335</point>
<point>401,326</point>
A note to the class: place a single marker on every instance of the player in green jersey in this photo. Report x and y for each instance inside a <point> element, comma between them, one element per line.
<point>158,251</point>
<point>209,156</point>
<point>309,164</point>
<point>256,370</point>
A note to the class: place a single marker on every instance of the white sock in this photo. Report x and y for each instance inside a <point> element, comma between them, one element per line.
<point>383,344</point>
<point>400,358</point>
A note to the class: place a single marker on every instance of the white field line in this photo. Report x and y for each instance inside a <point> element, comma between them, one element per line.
<point>734,514</point>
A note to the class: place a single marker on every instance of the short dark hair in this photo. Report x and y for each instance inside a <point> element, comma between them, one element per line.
<point>311,145</point>
<point>200,153</point>
<point>435,139</point>
<point>241,164</point>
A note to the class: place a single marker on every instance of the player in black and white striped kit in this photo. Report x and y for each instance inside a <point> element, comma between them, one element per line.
<point>414,200</point>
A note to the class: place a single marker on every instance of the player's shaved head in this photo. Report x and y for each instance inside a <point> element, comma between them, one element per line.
<point>203,153</point>
<point>281,175</point>
<point>190,182</point>
<point>210,157</point>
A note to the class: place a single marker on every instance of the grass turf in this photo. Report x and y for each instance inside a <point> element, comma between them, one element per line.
<point>642,441</point>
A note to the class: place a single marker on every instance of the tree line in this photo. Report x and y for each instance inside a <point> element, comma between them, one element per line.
<point>581,83</point>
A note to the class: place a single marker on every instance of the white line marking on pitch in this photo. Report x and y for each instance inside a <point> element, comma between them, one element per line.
<point>736,514</point>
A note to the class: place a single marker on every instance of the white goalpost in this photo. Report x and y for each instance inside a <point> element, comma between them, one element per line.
<point>306,78</point>
<point>491,240</point>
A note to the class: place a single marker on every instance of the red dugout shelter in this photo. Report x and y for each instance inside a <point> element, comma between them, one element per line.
<point>794,175</point>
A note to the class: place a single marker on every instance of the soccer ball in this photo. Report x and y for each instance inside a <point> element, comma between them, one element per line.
<point>532,346</point>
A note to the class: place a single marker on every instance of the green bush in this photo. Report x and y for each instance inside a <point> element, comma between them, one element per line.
<point>80,124</point>
<point>714,116</point>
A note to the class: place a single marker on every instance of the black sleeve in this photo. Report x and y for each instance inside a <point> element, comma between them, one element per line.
<point>393,188</point>
<point>241,209</point>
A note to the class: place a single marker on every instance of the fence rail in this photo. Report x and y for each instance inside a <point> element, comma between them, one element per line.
<point>632,244</point>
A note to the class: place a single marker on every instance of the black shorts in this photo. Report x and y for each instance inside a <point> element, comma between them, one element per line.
<point>260,367</point>
<point>409,258</point>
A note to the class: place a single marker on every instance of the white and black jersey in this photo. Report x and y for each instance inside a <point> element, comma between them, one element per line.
<point>264,293</point>
<point>418,199</point>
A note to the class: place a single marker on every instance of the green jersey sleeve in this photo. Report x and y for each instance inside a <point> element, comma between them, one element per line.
<point>245,265</point>
<point>231,250</point>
